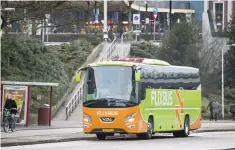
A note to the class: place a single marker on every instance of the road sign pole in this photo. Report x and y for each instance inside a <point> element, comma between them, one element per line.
<point>154,28</point>
<point>155,11</point>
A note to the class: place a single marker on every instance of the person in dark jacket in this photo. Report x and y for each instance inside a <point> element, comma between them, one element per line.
<point>210,106</point>
<point>10,103</point>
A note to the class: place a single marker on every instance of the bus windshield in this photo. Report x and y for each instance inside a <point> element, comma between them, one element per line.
<point>110,86</point>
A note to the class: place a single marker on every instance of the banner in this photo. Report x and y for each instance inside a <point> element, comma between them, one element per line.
<point>115,18</point>
<point>19,95</point>
<point>136,18</point>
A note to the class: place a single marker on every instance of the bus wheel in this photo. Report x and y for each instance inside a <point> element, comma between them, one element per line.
<point>101,136</point>
<point>186,131</point>
<point>149,133</point>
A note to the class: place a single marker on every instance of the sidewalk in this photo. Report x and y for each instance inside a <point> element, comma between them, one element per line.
<point>70,131</point>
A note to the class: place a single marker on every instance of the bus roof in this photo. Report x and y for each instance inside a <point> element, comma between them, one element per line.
<point>136,62</point>
<point>130,62</point>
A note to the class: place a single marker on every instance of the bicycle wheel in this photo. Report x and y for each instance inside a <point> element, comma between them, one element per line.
<point>6,125</point>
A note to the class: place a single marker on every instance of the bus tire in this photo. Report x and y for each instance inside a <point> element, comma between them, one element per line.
<point>149,134</point>
<point>101,136</point>
<point>186,131</point>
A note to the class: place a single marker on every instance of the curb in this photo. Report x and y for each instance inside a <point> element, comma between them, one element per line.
<point>214,130</point>
<point>49,128</point>
<point>88,138</point>
<point>46,141</point>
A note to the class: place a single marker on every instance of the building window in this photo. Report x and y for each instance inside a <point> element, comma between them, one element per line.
<point>219,15</point>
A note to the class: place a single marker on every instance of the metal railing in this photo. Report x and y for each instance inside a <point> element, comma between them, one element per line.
<point>78,95</point>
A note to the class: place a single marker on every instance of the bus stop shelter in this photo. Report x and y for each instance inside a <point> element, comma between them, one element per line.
<point>22,90</point>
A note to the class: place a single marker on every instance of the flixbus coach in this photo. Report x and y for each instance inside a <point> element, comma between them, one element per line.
<point>140,96</point>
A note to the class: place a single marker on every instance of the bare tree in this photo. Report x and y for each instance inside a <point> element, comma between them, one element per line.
<point>209,63</point>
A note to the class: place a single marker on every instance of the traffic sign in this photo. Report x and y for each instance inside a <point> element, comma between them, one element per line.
<point>155,10</point>
<point>155,16</point>
<point>136,18</point>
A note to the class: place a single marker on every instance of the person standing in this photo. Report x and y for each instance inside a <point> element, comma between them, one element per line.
<point>216,109</point>
<point>232,110</point>
<point>210,106</point>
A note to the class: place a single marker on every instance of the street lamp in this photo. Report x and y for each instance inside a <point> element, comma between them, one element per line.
<point>223,77</point>
<point>146,11</point>
<point>105,27</point>
<point>170,15</point>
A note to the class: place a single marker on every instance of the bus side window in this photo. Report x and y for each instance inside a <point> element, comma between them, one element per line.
<point>141,92</point>
<point>91,82</point>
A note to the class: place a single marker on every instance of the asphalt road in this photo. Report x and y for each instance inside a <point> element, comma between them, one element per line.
<point>196,141</point>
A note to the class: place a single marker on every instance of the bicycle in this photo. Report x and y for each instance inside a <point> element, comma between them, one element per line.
<point>9,120</point>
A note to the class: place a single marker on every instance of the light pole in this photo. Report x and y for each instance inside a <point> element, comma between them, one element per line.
<point>222,82</point>
<point>105,27</point>
<point>170,15</point>
<point>146,11</point>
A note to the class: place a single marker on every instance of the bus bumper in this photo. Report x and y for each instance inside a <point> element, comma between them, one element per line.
<point>131,128</point>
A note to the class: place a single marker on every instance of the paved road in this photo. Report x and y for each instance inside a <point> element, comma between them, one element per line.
<point>216,140</point>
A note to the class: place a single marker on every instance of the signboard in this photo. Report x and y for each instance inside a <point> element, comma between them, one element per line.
<point>97,11</point>
<point>96,18</point>
<point>115,18</point>
<point>136,18</point>
<point>189,18</point>
<point>19,95</point>
<point>47,16</point>
<point>147,20</point>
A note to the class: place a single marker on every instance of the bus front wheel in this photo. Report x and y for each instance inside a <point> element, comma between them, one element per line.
<point>149,133</point>
<point>101,136</point>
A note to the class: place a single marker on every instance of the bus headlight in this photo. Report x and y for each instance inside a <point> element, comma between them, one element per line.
<point>86,118</point>
<point>130,118</point>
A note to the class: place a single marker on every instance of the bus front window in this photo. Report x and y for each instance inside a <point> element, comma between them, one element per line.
<point>110,86</point>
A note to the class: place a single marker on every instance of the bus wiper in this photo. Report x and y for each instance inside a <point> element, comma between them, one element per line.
<point>89,102</point>
<point>127,102</point>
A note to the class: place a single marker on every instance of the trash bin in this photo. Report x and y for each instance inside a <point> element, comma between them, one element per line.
<point>43,115</point>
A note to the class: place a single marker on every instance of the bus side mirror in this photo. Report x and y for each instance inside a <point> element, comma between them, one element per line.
<point>78,76</point>
<point>137,75</point>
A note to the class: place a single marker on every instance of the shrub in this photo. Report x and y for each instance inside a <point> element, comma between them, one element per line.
<point>27,59</point>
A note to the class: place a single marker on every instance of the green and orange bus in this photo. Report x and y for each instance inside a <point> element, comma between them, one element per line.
<point>140,96</point>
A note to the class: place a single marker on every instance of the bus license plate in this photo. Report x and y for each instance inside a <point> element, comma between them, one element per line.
<point>108,130</point>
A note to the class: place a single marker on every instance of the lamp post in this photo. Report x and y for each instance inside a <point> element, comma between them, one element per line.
<point>222,82</point>
<point>95,14</point>
<point>146,11</point>
<point>170,15</point>
<point>105,27</point>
